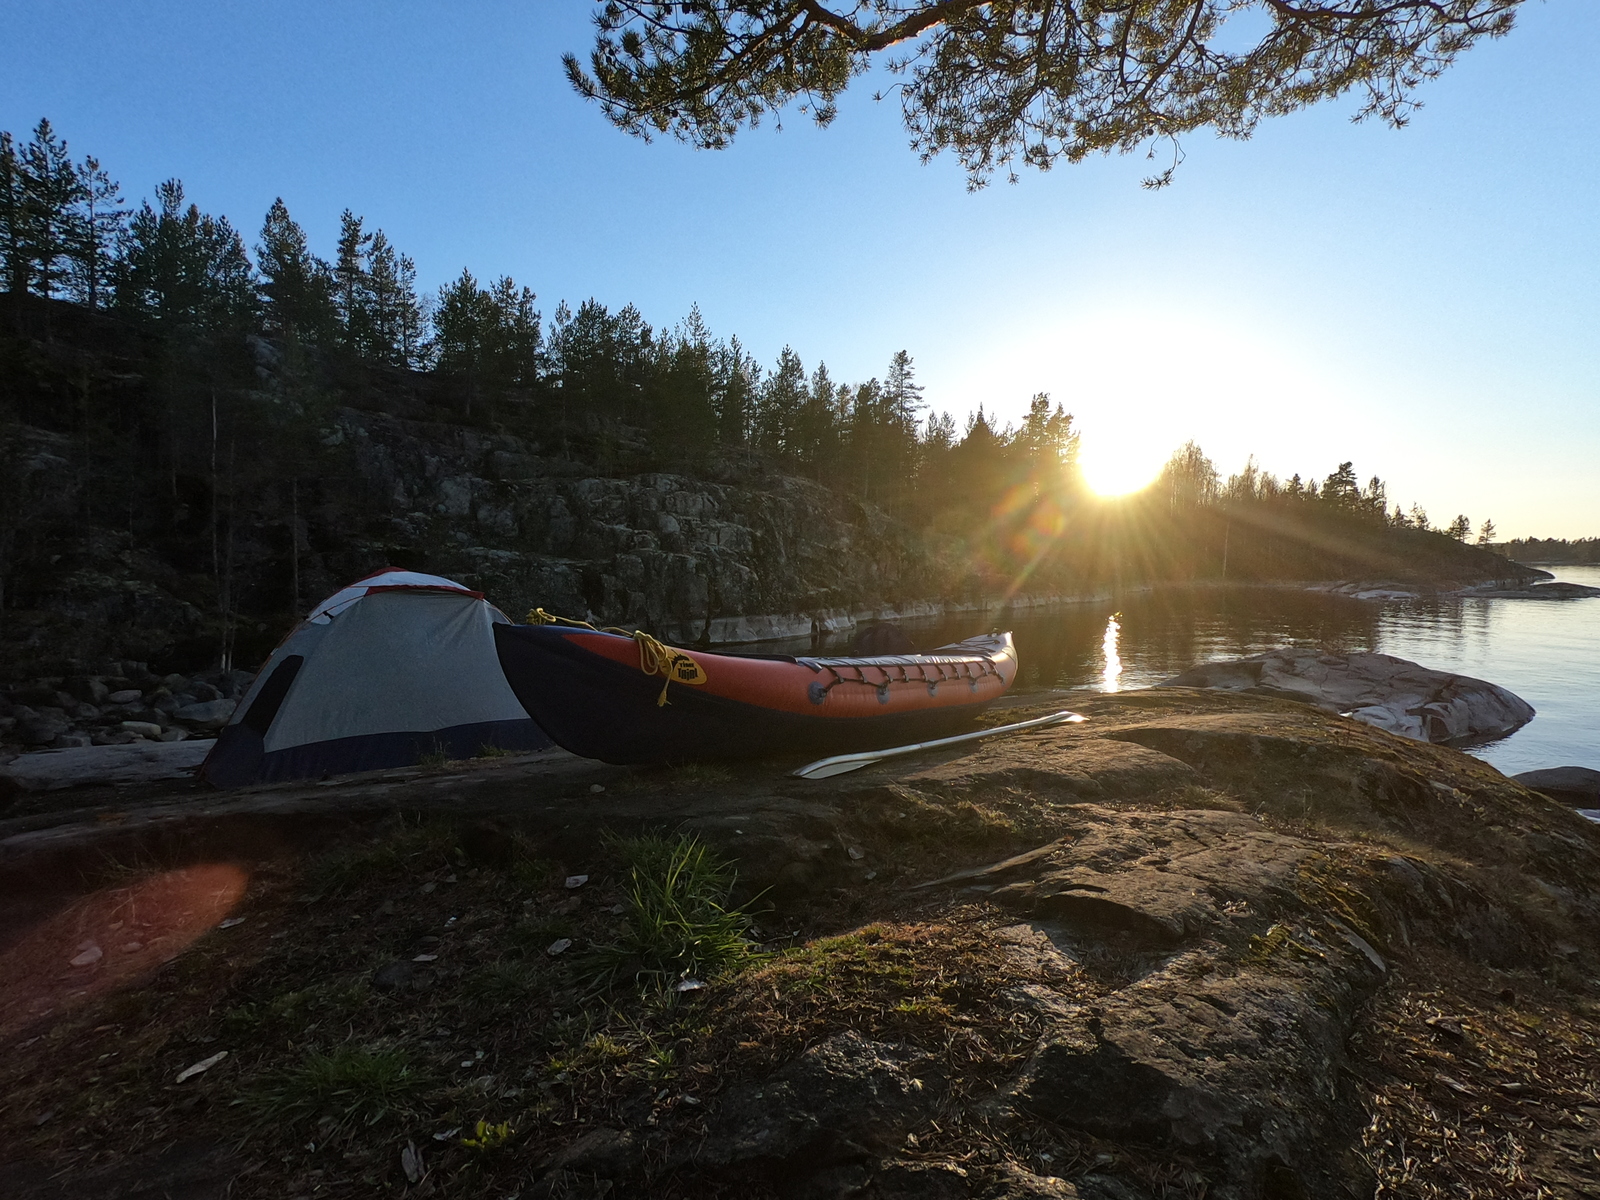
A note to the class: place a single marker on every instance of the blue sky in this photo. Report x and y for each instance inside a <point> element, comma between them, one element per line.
<point>1422,301</point>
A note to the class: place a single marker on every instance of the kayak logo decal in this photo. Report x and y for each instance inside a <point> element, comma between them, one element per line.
<point>656,658</point>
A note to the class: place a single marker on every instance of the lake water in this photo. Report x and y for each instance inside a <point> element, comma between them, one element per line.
<point>1546,651</point>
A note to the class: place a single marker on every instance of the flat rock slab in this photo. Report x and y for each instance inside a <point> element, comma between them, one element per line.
<point>1392,694</point>
<point>135,762</point>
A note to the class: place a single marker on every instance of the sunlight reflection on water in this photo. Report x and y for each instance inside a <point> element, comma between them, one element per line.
<point>1111,675</point>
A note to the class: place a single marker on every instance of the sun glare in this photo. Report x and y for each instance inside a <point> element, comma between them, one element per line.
<point>1115,468</point>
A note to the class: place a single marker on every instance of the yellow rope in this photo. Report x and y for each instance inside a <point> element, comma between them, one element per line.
<point>655,657</point>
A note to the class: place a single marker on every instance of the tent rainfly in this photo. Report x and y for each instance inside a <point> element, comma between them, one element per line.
<point>394,667</point>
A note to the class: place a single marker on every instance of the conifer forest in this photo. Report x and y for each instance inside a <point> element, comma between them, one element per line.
<point>196,419</point>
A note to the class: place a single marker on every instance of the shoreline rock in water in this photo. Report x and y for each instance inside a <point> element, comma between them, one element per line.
<point>1392,694</point>
<point>1536,591</point>
<point>1577,786</point>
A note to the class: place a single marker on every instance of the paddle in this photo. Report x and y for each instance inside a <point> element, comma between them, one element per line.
<point>840,763</point>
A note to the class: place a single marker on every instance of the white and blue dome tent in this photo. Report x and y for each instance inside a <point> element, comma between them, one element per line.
<point>396,666</point>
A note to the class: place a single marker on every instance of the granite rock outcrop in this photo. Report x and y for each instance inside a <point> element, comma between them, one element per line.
<point>1389,693</point>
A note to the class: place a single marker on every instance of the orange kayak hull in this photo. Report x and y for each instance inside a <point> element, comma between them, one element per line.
<point>588,691</point>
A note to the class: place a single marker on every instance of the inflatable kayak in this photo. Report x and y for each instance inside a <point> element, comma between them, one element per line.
<point>628,699</point>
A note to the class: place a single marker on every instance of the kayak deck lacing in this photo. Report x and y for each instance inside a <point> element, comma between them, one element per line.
<point>971,670</point>
<point>655,656</point>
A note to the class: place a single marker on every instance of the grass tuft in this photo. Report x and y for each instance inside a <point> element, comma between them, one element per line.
<point>501,984</point>
<point>353,1084</point>
<point>414,849</point>
<point>680,920</point>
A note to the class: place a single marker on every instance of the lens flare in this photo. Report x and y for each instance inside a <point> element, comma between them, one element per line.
<point>1111,675</point>
<point>112,938</point>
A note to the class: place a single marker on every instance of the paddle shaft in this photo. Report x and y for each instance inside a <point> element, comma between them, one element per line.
<point>825,768</point>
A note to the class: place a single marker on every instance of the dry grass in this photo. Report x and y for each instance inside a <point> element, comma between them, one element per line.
<point>1481,1084</point>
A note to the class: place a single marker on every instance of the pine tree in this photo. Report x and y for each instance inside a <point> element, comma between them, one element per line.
<point>383,300</point>
<point>685,414</point>
<point>737,379</point>
<point>14,265</point>
<point>901,392</point>
<point>460,322</point>
<point>52,223</point>
<point>1047,443</point>
<point>184,268</point>
<point>1341,490</point>
<point>815,434</point>
<point>296,286</point>
<point>412,314</point>
<point>513,337</point>
<point>100,229</point>
<point>1486,533</point>
<point>1460,529</point>
<point>351,285</point>
<point>782,396</point>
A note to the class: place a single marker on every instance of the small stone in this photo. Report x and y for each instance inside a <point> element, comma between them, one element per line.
<point>1448,1028</point>
<point>411,1163</point>
<point>559,946</point>
<point>574,882</point>
<point>125,696</point>
<point>39,730</point>
<point>424,958</point>
<point>144,729</point>
<point>596,788</point>
<point>394,976</point>
<point>88,956</point>
<point>174,735</point>
<point>856,854</point>
<point>207,714</point>
<point>429,888</point>
<point>89,690</point>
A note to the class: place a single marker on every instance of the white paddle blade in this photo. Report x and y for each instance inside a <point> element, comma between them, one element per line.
<point>825,768</point>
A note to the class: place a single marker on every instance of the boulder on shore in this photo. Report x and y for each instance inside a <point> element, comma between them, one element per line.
<point>1577,786</point>
<point>1390,693</point>
<point>136,762</point>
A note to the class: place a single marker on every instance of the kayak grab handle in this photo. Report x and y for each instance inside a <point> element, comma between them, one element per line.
<point>824,768</point>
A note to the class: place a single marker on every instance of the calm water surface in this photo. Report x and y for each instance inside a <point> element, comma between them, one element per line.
<point>1546,651</point>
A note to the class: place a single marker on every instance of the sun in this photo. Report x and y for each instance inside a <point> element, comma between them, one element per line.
<point>1117,467</point>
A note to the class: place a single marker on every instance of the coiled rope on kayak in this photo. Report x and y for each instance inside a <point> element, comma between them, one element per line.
<point>655,656</point>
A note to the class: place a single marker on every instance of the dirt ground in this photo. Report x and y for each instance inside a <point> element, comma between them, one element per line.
<point>1201,946</point>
